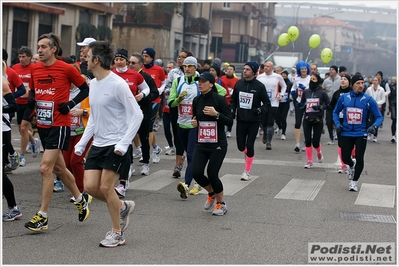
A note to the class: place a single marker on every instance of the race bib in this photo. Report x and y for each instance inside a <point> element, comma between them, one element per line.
<point>186,108</point>
<point>246,100</point>
<point>310,102</point>
<point>75,122</point>
<point>44,112</point>
<point>300,92</point>
<point>207,132</point>
<point>354,115</point>
<point>269,94</point>
<point>285,98</point>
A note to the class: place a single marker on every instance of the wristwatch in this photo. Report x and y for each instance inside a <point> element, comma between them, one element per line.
<point>217,115</point>
<point>84,112</point>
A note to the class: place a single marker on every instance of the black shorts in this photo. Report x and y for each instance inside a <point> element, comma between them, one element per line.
<point>100,158</point>
<point>20,113</point>
<point>28,114</point>
<point>55,137</point>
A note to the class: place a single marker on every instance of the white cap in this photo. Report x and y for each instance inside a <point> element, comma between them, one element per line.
<point>86,41</point>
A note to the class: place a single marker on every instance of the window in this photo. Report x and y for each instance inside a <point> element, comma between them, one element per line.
<point>226,5</point>
<point>226,30</point>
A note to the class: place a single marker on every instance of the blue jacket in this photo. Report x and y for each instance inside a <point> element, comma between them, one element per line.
<point>365,104</point>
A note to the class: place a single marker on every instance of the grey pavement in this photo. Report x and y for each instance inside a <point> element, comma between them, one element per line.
<point>270,219</point>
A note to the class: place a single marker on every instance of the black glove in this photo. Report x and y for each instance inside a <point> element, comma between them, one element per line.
<point>257,111</point>
<point>65,107</point>
<point>31,103</point>
<point>317,107</point>
<point>338,130</point>
<point>233,114</point>
<point>372,130</point>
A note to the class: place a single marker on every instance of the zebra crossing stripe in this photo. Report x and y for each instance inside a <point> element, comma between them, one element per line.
<point>301,189</point>
<point>232,184</point>
<point>377,195</point>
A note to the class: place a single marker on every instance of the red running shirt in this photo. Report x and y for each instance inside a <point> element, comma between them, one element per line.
<point>132,78</point>
<point>52,87</point>
<point>158,74</point>
<point>25,74</point>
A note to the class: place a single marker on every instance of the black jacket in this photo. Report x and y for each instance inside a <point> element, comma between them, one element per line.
<point>324,101</point>
<point>219,103</point>
<point>260,100</point>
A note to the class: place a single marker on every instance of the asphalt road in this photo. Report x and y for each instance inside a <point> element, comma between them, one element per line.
<point>270,220</point>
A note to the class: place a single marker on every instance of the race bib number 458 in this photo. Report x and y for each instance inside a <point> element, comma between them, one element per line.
<point>207,132</point>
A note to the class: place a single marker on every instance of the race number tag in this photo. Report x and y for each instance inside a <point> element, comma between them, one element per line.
<point>354,115</point>
<point>285,98</point>
<point>269,94</point>
<point>310,102</point>
<point>75,122</point>
<point>186,108</point>
<point>44,112</point>
<point>300,92</point>
<point>246,100</point>
<point>207,132</point>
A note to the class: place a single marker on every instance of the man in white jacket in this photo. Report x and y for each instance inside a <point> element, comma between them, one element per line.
<point>114,120</point>
<point>378,93</point>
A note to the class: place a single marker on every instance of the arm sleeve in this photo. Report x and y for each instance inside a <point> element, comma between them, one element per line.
<point>221,89</point>
<point>173,94</point>
<point>283,86</point>
<point>11,103</point>
<point>84,92</point>
<point>144,88</point>
<point>20,91</point>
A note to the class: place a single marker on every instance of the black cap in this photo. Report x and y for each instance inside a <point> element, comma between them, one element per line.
<point>342,68</point>
<point>206,76</point>
<point>120,52</point>
<point>356,78</point>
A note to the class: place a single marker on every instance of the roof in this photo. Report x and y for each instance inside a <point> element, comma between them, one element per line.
<point>328,21</point>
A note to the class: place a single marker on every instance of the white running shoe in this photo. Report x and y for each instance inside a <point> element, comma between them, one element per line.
<point>283,137</point>
<point>320,158</point>
<point>353,186</point>
<point>245,176</point>
<point>308,165</point>
<point>156,154</point>
<point>228,134</point>
<point>137,152</point>
<point>120,190</point>
<point>145,169</point>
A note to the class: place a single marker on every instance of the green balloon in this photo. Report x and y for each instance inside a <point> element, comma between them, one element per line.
<point>326,55</point>
<point>314,41</point>
<point>293,33</point>
<point>283,39</point>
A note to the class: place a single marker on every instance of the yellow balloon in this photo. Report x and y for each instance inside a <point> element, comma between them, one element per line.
<point>326,55</point>
<point>314,41</point>
<point>293,33</point>
<point>283,39</point>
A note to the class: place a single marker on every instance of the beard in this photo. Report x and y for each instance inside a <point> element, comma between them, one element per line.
<point>230,75</point>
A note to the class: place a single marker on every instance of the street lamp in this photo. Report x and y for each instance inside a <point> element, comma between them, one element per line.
<point>297,12</point>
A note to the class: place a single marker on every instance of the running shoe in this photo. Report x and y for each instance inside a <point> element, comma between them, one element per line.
<point>245,176</point>
<point>14,160</point>
<point>183,189</point>
<point>120,190</point>
<point>351,171</point>
<point>320,158</point>
<point>210,202</point>
<point>34,147</point>
<point>156,154</point>
<point>297,149</point>
<point>283,137</point>
<point>195,190</point>
<point>83,208</point>
<point>176,172</point>
<point>308,165</point>
<point>343,169</point>
<point>375,139</point>
<point>170,151</point>
<point>228,134</point>
<point>268,146</point>
<point>220,209</point>
<point>137,152</point>
<point>22,161</point>
<point>124,216</point>
<point>393,139</point>
<point>331,142</point>
<point>58,186</point>
<point>145,169</point>
<point>353,186</point>
<point>12,214</point>
<point>37,223</point>
<point>113,239</point>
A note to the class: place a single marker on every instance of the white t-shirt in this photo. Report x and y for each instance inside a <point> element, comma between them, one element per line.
<point>298,83</point>
<point>115,117</point>
<point>272,82</point>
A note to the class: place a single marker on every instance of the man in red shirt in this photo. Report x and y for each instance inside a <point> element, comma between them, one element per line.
<point>229,81</point>
<point>158,74</point>
<point>50,89</point>
<point>23,68</point>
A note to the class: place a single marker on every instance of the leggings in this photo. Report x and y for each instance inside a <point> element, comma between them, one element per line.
<point>166,128</point>
<point>143,134</point>
<point>214,158</point>
<point>316,128</point>
<point>8,188</point>
<point>246,134</point>
<point>330,123</point>
<point>179,149</point>
<point>281,116</point>
<point>392,109</point>
<point>347,144</point>
<point>298,115</point>
<point>188,137</point>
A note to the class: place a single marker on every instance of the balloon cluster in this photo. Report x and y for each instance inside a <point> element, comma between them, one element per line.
<point>292,35</point>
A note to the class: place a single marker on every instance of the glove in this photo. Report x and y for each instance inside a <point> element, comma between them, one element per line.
<point>293,92</point>
<point>301,86</point>
<point>338,130</point>
<point>31,103</point>
<point>233,114</point>
<point>317,107</point>
<point>181,96</point>
<point>65,107</point>
<point>372,130</point>
<point>257,111</point>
